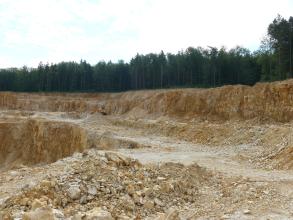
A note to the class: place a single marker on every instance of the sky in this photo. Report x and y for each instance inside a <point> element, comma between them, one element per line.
<point>93,30</point>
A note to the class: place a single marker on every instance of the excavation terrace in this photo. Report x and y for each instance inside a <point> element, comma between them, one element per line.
<point>222,153</point>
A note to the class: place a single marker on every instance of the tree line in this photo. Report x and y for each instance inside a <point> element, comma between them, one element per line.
<point>193,67</point>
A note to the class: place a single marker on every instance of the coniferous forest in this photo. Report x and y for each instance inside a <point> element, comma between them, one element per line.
<point>194,67</point>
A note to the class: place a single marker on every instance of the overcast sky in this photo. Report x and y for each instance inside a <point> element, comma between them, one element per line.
<point>62,30</point>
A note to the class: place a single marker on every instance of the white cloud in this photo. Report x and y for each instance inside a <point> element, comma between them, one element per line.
<point>56,30</point>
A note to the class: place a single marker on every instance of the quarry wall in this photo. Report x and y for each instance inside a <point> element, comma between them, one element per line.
<point>266,101</point>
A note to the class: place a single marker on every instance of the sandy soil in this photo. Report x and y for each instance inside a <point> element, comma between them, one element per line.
<point>246,181</point>
<point>223,153</point>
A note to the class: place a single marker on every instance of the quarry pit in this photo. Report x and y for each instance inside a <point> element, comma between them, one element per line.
<point>222,153</point>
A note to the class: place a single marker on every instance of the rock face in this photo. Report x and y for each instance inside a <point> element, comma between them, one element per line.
<point>8,100</point>
<point>38,141</point>
<point>263,101</point>
<point>271,101</point>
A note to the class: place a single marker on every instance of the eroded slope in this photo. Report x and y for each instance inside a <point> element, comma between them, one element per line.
<point>264,101</point>
<point>31,141</point>
<point>203,153</point>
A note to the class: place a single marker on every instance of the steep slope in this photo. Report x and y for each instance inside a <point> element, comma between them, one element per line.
<point>223,153</point>
<point>29,141</point>
<point>264,101</point>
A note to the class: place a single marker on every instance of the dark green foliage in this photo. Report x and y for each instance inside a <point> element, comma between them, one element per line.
<point>275,52</point>
<point>190,68</point>
<point>194,67</point>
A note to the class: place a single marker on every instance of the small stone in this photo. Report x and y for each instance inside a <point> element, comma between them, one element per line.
<point>74,192</point>
<point>40,213</point>
<point>266,192</point>
<point>98,214</point>
<point>156,188</point>
<point>124,217</point>
<point>225,217</point>
<point>5,216</point>
<point>158,202</point>
<point>246,212</point>
<point>160,216</point>
<point>130,189</point>
<point>44,199</point>
<point>125,160</point>
<point>139,193</point>
<point>167,187</point>
<point>78,216</point>
<point>24,201</point>
<point>47,183</point>
<point>37,204</point>
<point>90,197</point>
<point>113,158</point>
<point>83,199</point>
<point>149,204</point>
<point>128,203</point>
<point>58,214</point>
<point>172,214</point>
<point>57,201</point>
<point>147,191</point>
<point>137,199</point>
<point>92,190</point>
<point>64,202</point>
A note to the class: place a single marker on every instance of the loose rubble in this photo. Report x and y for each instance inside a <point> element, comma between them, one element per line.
<point>117,185</point>
<point>223,153</point>
<point>107,185</point>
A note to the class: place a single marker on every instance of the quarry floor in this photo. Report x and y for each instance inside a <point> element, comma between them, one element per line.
<point>246,182</point>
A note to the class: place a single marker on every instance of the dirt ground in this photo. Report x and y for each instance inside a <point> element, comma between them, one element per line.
<point>61,164</point>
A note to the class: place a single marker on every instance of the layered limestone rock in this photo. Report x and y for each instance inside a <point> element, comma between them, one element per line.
<point>8,100</point>
<point>265,101</point>
<point>31,141</point>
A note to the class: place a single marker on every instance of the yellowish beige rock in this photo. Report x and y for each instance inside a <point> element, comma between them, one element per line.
<point>38,204</point>
<point>172,214</point>
<point>98,214</point>
<point>5,216</point>
<point>40,213</point>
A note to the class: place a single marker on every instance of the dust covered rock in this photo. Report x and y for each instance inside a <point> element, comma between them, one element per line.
<point>40,213</point>
<point>119,184</point>
<point>235,141</point>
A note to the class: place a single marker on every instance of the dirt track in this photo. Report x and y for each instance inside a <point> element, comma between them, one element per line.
<point>245,164</point>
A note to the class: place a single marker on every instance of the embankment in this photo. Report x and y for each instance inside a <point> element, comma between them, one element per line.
<point>264,101</point>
